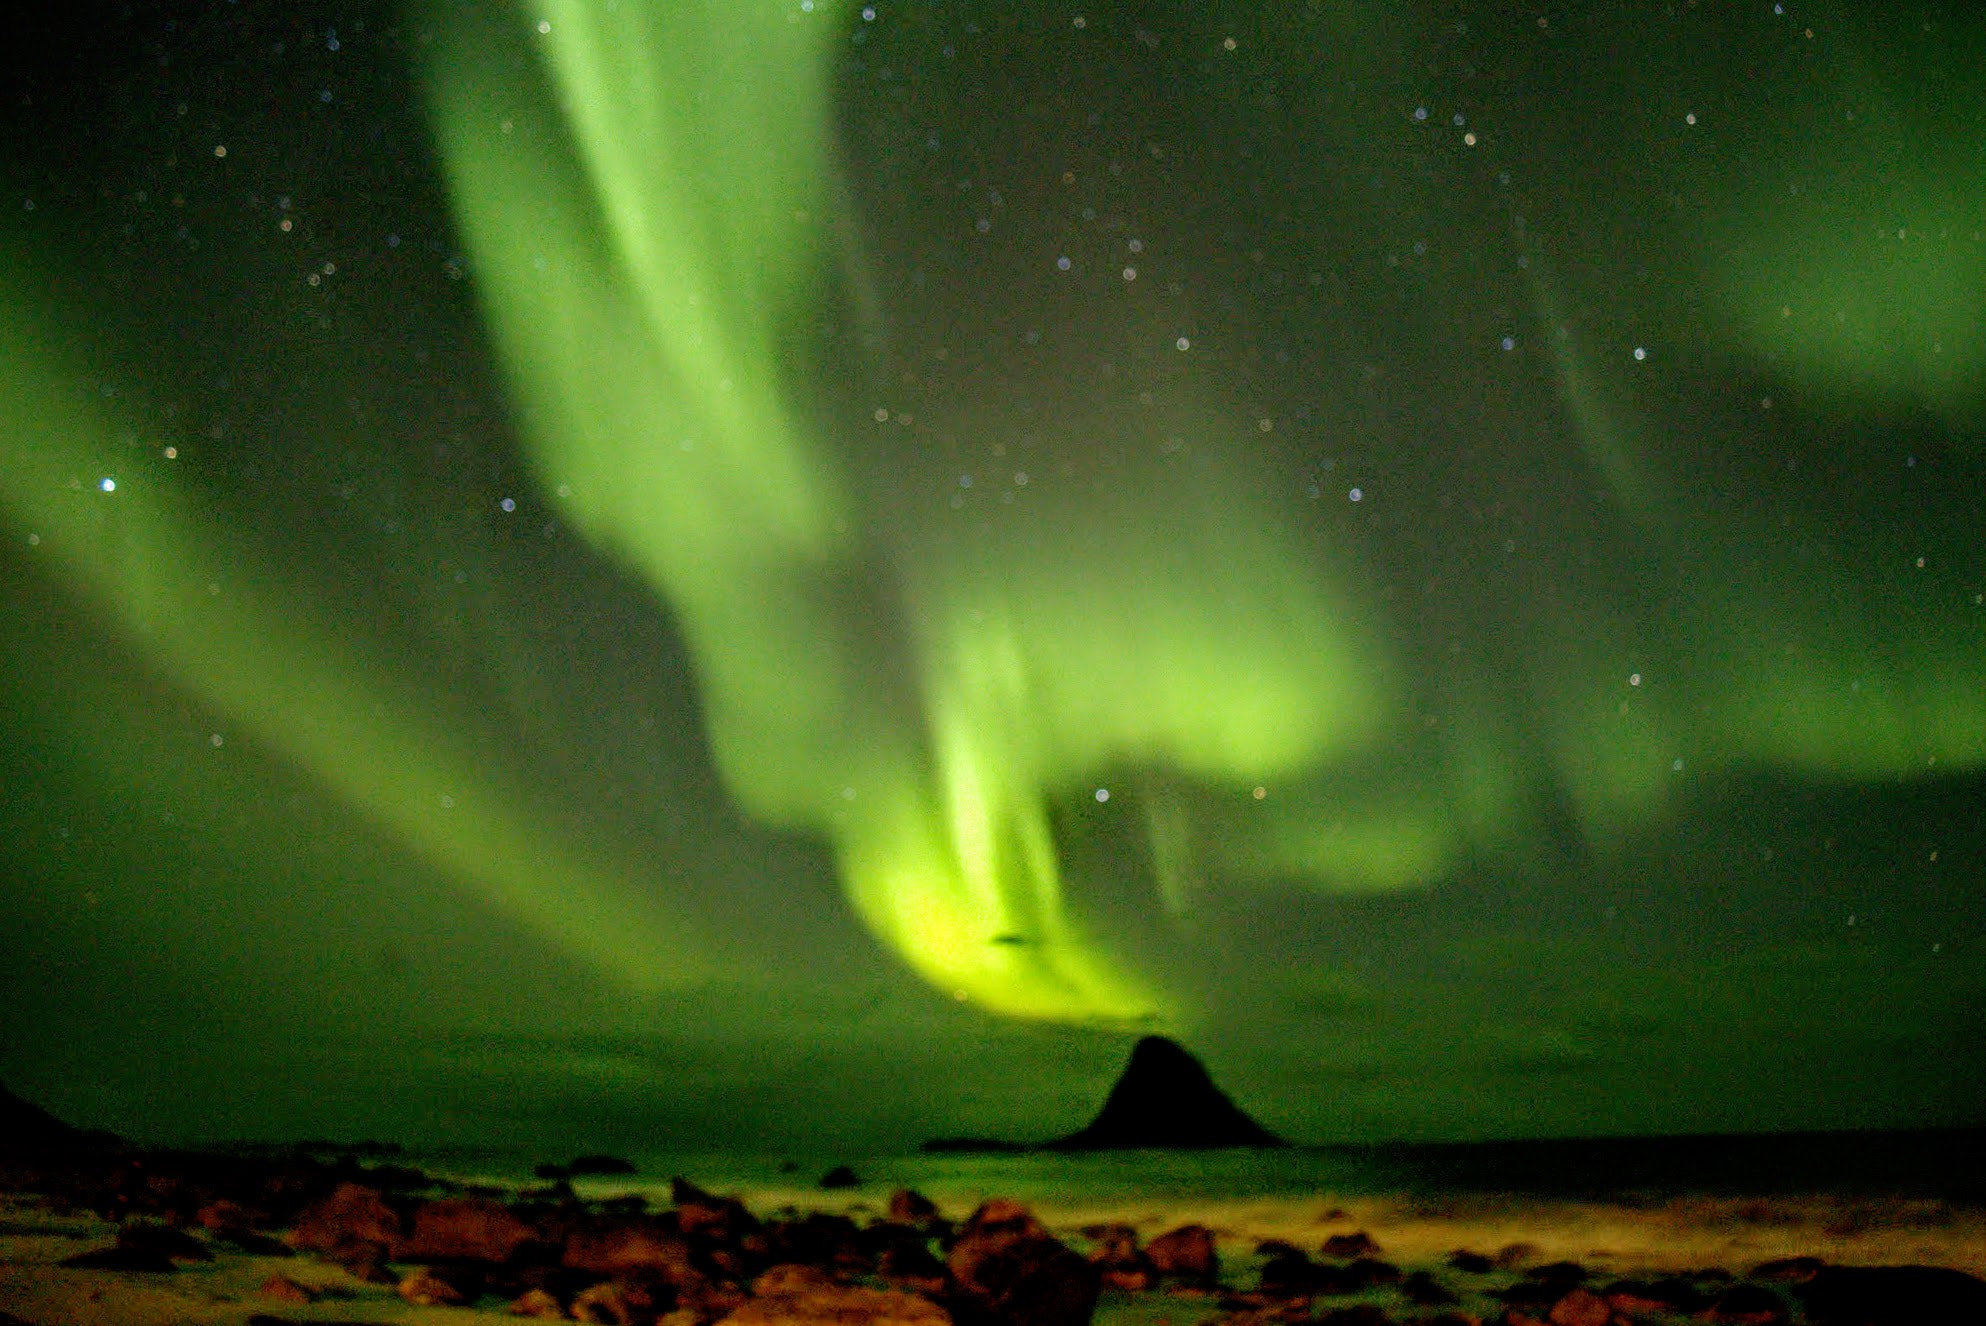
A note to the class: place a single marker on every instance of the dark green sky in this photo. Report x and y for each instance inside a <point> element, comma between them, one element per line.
<point>689,575</point>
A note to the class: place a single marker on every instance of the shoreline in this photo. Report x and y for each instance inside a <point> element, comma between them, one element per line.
<point>1724,1242</point>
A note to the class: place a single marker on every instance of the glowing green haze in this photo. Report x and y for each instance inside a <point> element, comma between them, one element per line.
<point>130,545</point>
<point>659,221</point>
<point>649,245</point>
<point>1339,500</point>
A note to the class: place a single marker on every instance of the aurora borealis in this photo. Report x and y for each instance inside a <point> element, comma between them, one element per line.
<point>638,556</point>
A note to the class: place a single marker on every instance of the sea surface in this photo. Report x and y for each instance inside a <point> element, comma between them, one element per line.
<point>1947,1165</point>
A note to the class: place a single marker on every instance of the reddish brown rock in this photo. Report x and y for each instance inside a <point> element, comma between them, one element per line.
<point>909,1207</point>
<point>1113,1245</point>
<point>1010,1270</point>
<point>618,1303</point>
<point>1126,1279</point>
<point>464,1229</point>
<point>1631,1298</point>
<point>1118,1259</point>
<point>791,1278</point>
<point>226,1217</point>
<point>425,1289</point>
<point>362,1261</point>
<point>353,1213</point>
<point>1789,1270</point>
<point>1529,1297</point>
<point>807,1296</point>
<point>1676,1294</point>
<point>1002,1215</point>
<point>1512,1255</point>
<point>1580,1307</point>
<point>1187,1252</point>
<point>285,1290</point>
<point>703,1215</point>
<point>1345,1247</point>
<point>1747,1305</point>
<point>539,1304</point>
<point>620,1247</point>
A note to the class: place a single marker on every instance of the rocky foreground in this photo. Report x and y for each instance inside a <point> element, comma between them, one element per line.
<point>341,1240</point>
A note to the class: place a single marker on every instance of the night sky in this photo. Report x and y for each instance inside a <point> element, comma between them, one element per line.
<point>784,573</point>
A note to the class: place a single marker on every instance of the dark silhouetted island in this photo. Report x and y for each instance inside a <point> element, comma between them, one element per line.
<point>25,1125</point>
<point>26,1129</point>
<point>1165,1100</point>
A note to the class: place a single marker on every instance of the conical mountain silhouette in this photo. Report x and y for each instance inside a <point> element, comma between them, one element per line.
<point>1164,1099</point>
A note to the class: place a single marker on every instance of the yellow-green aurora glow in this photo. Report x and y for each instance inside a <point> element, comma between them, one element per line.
<point>657,210</point>
<point>927,617</point>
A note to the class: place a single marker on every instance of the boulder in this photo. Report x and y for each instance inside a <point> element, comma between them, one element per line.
<point>1118,1260</point>
<point>238,1226</point>
<point>538,1304</point>
<point>1580,1307</point>
<point>428,1288</point>
<point>909,1207</point>
<point>629,1245</point>
<point>1002,1215</point>
<point>464,1229</point>
<point>1558,1273</point>
<point>1676,1294</point>
<point>353,1213</point>
<point>618,1303</point>
<point>1892,1296</point>
<point>1345,1247</point>
<point>1746,1305</point>
<point>841,1176</point>
<point>821,1238</point>
<point>703,1215</point>
<point>361,1260</point>
<point>910,1265</point>
<point>1288,1273</point>
<point>1186,1253</point>
<point>804,1296</point>
<point>1008,1269</point>
<point>1164,1099</point>
<point>225,1217</point>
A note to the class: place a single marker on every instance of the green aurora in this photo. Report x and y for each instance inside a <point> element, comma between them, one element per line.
<point>1154,506</point>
